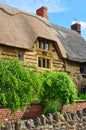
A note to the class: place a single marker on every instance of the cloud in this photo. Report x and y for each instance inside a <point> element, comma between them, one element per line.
<point>83,24</point>
<point>52,5</point>
<point>32,5</point>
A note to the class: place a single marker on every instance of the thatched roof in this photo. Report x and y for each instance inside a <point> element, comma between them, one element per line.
<point>21,29</point>
<point>74,44</point>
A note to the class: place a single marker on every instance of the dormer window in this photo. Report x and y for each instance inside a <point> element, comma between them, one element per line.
<point>47,46</point>
<point>43,44</point>
<point>39,44</point>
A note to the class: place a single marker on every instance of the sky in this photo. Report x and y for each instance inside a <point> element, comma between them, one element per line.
<point>60,12</point>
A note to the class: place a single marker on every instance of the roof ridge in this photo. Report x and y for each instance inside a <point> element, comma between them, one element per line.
<point>13,11</point>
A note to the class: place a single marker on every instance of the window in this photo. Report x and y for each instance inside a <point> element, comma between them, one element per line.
<point>43,52</point>
<point>83,89</point>
<point>47,46</point>
<point>47,63</point>
<point>39,44</point>
<point>83,68</point>
<point>43,62</point>
<point>20,56</point>
<point>43,44</point>
<point>39,62</point>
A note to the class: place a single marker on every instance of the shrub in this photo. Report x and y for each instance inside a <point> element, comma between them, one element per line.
<point>52,106</point>
<point>58,86</point>
<point>19,85</point>
<point>81,97</point>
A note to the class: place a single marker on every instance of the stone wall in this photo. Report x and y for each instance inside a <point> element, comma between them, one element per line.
<point>56,121</point>
<point>36,110</point>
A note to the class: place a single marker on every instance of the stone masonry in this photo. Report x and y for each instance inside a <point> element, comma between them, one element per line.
<point>68,121</point>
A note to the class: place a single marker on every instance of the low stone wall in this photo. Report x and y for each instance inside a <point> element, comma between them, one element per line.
<point>36,110</point>
<point>70,121</point>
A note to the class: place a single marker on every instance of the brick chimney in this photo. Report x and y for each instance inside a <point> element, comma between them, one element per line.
<point>76,27</point>
<point>42,12</point>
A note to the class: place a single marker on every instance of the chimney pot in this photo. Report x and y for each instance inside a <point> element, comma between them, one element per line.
<point>76,27</point>
<point>42,12</point>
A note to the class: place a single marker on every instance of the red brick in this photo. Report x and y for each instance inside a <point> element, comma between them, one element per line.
<point>78,106</point>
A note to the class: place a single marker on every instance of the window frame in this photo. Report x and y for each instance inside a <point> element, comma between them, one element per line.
<point>43,44</point>
<point>44,62</point>
<point>39,43</point>
<point>22,56</point>
<point>83,68</point>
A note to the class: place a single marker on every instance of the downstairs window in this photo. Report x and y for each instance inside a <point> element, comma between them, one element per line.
<point>20,56</point>
<point>83,89</point>
<point>43,62</point>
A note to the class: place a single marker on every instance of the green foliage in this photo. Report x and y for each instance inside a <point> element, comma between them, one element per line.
<point>52,106</point>
<point>58,86</point>
<point>18,84</point>
<point>21,84</point>
<point>81,97</point>
<point>36,84</point>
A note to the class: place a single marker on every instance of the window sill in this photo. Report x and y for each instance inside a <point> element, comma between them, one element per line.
<point>41,68</point>
<point>43,50</point>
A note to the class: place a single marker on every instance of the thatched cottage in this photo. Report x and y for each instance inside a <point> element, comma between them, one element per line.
<point>33,39</point>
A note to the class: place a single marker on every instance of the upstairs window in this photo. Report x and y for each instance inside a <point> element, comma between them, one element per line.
<point>83,70</point>
<point>43,44</point>
<point>43,62</point>
<point>39,44</point>
<point>47,46</point>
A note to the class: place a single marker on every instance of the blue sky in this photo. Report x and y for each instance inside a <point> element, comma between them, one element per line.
<point>60,12</point>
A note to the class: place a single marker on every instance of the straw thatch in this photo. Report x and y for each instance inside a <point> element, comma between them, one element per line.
<point>74,44</point>
<point>21,29</point>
